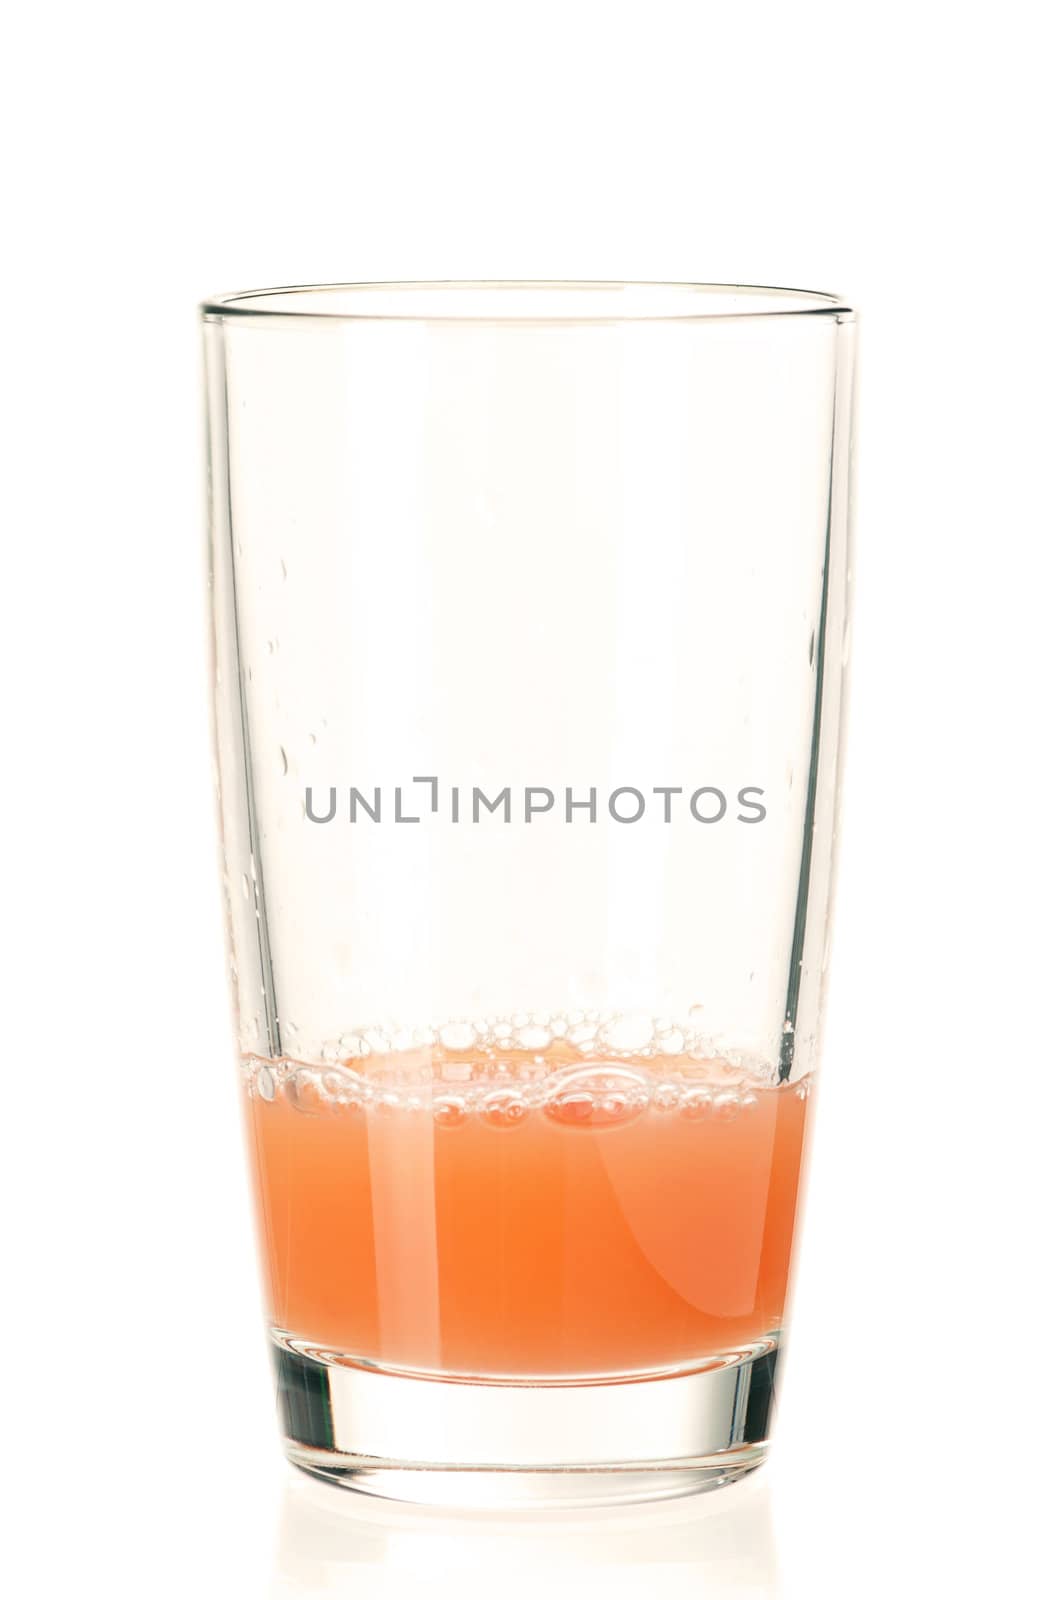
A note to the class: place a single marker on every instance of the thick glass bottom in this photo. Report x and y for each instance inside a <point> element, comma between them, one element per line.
<point>453,1442</point>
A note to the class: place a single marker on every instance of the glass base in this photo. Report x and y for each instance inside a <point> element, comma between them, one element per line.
<point>502,1445</point>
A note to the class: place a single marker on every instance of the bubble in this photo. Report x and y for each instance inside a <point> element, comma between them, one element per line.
<point>456,1071</point>
<point>582,1033</point>
<point>725,1107</point>
<point>575,1109</point>
<point>601,1096</point>
<point>504,1108</point>
<point>457,1036</point>
<point>696,1104</point>
<point>628,1032</point>
<point>533,1037</point>
<point>343,1086</point>
<point>264,1083</point>
<point>449,1111</point>
<point>306,1091</point>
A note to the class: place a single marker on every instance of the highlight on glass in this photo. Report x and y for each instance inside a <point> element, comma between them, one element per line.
<point>530,624</point>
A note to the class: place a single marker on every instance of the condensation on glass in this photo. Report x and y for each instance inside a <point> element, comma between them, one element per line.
<point>530,616</point>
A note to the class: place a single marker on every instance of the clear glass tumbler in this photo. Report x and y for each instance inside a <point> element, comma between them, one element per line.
<point>529,607</point>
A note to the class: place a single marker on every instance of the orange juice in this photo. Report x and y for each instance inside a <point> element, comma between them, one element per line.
<point>490,1213</point>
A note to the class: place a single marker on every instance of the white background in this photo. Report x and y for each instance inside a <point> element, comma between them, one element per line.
<point>906,155</point>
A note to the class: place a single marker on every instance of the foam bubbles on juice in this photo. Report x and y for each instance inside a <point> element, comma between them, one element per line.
<point>577,1070</point>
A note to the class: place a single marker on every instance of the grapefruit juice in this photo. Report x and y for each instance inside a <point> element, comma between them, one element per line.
<point>521,1205</point>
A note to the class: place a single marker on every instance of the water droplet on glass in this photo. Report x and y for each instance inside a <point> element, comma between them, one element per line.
<point>246,883</point>
<point>284,762</point>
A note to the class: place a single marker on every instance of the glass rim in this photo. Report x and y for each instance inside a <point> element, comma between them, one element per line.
<point>427,302</point>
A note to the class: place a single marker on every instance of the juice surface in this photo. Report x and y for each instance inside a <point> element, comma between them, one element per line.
<point>479,1217</point>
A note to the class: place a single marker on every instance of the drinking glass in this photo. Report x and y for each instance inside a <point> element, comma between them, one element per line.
<point>530,625</point>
